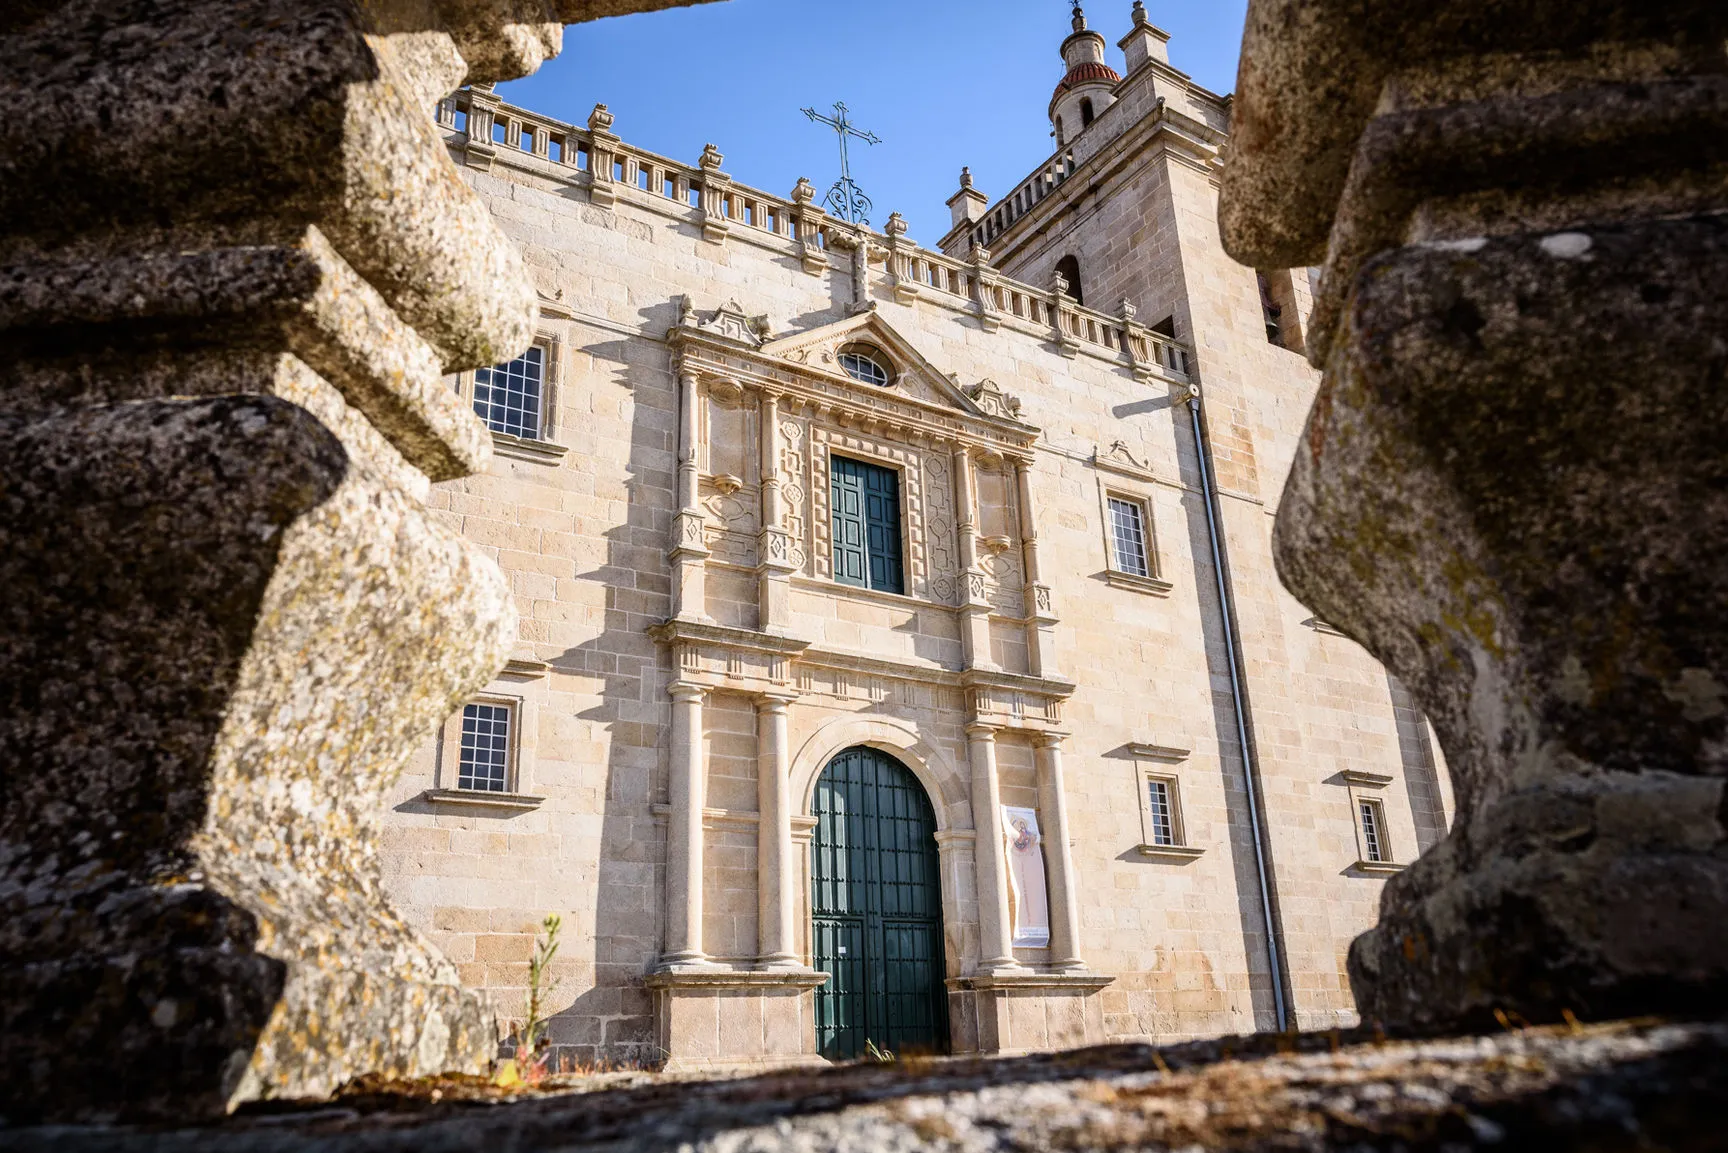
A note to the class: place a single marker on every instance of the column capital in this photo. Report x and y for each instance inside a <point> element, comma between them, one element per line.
<point>687,691</point>
<point>1049,739</point>
<point>775,700</point>
<point>981,730</point>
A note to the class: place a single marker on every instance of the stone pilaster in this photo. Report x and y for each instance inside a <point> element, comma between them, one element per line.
<point>686,787</point>
<point>995,926</point>
<point>773,545</point>
<point>1040,606</point>
<point>689,551</point>
<point>777,883</point>
<point>1058,856</point>
<point>974,607</point>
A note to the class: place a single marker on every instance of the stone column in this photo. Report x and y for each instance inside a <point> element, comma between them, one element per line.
<point>776,885</point>
<point>995,927</point>
<point>686,786</point>
<point>1510,485</point>
<point>773,546</point>
<point>1058,855</point>
<point>1040,606</point>
<point>689,552</point>
<point>974,609</point>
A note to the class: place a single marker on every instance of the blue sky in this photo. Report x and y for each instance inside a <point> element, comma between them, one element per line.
<point>943,82</point>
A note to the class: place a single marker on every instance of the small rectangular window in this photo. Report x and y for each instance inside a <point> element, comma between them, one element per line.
<point>510,397</point>
<point>1128,537</point>
<point>618,171</point>
<point>1163,827</point>
<point>866,525</point>
<point>1373,831</point>
<point>485,758</point>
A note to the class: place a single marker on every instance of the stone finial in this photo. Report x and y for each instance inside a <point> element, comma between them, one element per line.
<point>712,158</point>
<point>1078,21</point>
<point>896,226</point>
<point>966,177</point>
<point>1058,283</point>
<point>1126,310</point>
<point>231,619</point>
<point>803,192</point>
<point>1553,596</point>
<point>600,120</point>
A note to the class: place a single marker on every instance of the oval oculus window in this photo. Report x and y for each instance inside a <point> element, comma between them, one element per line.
<point>864,364</point>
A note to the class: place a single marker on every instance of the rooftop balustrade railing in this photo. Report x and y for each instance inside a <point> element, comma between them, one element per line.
<point>607,166</point>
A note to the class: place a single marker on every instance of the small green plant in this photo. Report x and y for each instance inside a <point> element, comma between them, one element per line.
<point>878,1055</point>
<point>530,1060</point>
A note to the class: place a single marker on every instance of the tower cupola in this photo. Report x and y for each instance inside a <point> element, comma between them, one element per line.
<point>1087,85</point>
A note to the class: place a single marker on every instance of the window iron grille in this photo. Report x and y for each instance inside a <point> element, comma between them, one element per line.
<point>1163,820</point>
<point>485,758</point>
<point>1373,840</point>
<point>509,397</point>
<point>1128,532</point>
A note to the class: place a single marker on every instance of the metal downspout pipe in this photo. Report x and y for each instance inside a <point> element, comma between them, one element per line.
<point>1202,451</point>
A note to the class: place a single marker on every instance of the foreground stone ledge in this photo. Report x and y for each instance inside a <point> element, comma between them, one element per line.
<point>1626,1085</point>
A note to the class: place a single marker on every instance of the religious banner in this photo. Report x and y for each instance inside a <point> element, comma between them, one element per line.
<point>1028,897</point>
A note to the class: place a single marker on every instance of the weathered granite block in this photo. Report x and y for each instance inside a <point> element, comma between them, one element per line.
<point>1512,484</point>
<point>235,264</point>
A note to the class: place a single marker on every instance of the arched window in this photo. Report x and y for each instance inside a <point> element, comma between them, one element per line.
<point>1086,113</point>
<point>1069,269</point>
<point>866,363</point>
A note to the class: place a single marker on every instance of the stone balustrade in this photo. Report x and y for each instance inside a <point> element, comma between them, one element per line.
<point>485,131</point>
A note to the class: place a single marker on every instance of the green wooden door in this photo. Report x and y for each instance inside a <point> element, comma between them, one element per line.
<point>876,904</point>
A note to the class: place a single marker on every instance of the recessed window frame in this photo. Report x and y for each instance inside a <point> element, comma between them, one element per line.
<point>1155,769</point>
<point>523,708</point>
<point>477,731</point>
<point>1152,580</point>
<point>1367,791</point>
<point>901,541</point>
<point>545,447</point>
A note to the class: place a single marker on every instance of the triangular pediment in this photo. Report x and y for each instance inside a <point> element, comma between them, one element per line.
<point>818,349</point>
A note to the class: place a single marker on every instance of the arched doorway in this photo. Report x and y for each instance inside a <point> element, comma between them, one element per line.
<point>876,909</point>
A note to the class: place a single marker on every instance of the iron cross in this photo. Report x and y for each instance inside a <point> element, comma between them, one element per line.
<point>846,198</point>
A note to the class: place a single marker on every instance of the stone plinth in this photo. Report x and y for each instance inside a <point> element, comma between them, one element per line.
<point>235,263</point>
<point>1511,484</point>
<point>715,1020</point>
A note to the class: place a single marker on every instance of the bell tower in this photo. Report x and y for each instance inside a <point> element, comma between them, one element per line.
<point>1087,86</point>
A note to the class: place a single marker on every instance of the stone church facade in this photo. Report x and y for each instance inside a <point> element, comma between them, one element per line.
<point>900,655</point>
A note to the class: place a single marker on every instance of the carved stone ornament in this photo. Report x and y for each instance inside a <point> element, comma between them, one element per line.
<point>992,401</point>
<point>238,263</point>
<point>731,322</point>
<point>1510,488</point>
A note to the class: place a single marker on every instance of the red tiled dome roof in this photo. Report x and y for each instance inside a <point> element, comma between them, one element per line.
<point>1084,74</point>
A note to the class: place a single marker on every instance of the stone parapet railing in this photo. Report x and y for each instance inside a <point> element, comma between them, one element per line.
<point>485,131</point>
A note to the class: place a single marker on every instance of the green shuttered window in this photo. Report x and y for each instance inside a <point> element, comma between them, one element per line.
<point>866,506</point>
